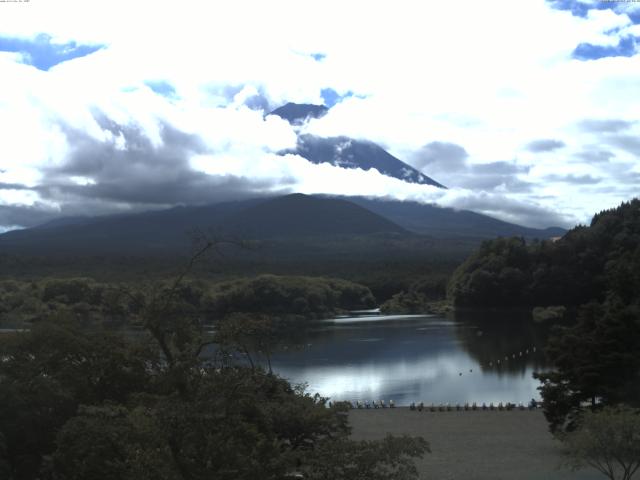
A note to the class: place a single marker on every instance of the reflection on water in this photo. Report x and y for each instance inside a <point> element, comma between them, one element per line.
<point>414,358</point>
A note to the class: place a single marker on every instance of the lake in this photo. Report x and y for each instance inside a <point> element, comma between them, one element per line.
<point>419,358</point>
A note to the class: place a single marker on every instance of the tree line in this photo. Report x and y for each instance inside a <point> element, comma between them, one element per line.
<point>586,264</point>
<point>595,270</point>
<point>88,403</point>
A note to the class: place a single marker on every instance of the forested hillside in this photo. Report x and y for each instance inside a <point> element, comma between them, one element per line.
<point>586,264</point>
<point>595,269</point>
<point>159,380</point>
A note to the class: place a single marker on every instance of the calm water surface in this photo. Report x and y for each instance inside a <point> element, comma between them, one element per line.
<point>418,358</point>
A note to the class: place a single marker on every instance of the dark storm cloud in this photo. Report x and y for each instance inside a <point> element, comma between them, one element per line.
<point>489,182</point>
<point>527,214</point>
<point>604,126</point>
<point>13,186</point>
<point>442,156</point>
<point>498,168</point>
<point>140,176</point>
<point>487,176</point>
<point>544,145</point>
<point>450,160</point>
<point>139,166</point>
<point>574,179</point>
<point>26,215</point>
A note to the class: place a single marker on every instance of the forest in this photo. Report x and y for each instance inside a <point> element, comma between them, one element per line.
<point>588,263</point>
<point>142,378</point>
<point>594,271</point>
<point>111,381</point>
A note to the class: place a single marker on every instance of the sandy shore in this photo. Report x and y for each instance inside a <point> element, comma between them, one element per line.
<point>480,445</point>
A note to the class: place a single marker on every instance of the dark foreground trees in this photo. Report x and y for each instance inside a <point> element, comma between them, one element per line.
<point>596,362</point>
<point>608,441</point>
<point>582,266</point>
<point>78,404</point>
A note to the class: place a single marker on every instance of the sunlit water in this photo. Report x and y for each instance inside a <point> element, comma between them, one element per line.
<point>417,358</point>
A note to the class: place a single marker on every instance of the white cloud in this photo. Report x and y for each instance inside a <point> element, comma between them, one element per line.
<point>489,76</point>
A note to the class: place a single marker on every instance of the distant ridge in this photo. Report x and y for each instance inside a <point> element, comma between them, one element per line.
<point>447,222</point>
<point>287,217</point>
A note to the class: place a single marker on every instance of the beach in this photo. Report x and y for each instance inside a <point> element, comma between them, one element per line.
<point>474,445</point>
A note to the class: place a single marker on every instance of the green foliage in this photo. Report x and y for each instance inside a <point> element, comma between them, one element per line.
<point>546,314</point>
<point>584,265</point>
<point>151,406</point>
<point>275,295</point>
<point>90,366</point>
<point>607,440</point>
<point>422,296</point>
<point>494,275</point>
<point>113,305</point>
<point>47,373</point>
<point>235,425</point>
<point>596,361</point>
<point>111,442</point>
<point>70,291</point>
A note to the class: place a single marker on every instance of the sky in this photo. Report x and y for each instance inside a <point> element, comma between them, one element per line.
<point>527,111</point>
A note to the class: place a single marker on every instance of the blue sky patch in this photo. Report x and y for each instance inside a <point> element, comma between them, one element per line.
<point>331,97</point>
<point>42,53</point>
<point>634,16</point>
<point>161,88</point>
<point>581,9</point>
<point>626,48</point>
<point>577,9</point>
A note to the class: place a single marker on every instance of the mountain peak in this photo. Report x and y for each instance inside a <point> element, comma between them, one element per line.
<point>346,152</point>
<point>298,113</point>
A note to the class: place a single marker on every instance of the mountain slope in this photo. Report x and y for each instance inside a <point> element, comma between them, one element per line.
<point>146,232</point>
<point>288,217</point>
<point>447,222</point>
<point>300,215</point>
<point>291,218</point>
<point>346,152</point>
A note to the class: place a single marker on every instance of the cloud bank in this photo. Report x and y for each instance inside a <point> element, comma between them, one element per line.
<point>106,112</point>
